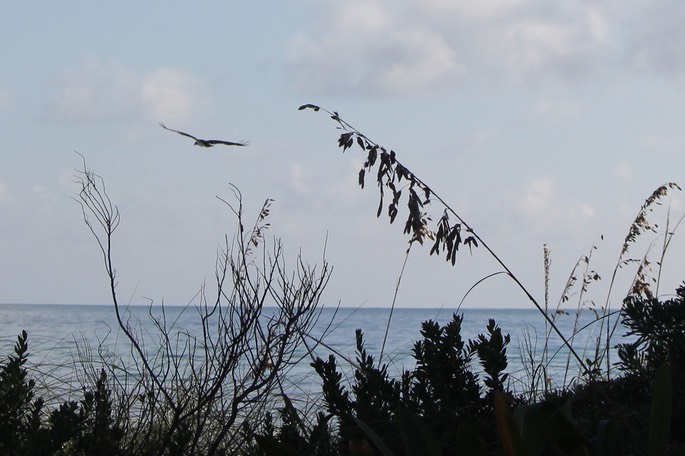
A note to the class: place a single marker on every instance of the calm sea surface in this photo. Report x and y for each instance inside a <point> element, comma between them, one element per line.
<point>61,335</point>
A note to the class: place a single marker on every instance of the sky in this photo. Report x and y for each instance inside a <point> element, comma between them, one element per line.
<point>539,123</point>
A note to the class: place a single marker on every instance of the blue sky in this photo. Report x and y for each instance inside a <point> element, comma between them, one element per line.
<point>541,124</point>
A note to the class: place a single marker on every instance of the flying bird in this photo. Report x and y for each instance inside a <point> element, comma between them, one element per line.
<point>205,142</point>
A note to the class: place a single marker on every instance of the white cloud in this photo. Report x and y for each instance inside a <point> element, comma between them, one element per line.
<point>401,46</point>
<point>536,45</point>
<point>599,26</point>
<point>425,60</point>
<point>361,47</point>
<point>344,190</point>
<point>556,108</point>
<point>656,41</point>
<point>169,94</point>
<point>547,211</point>
<point>481,137</point>
<point>660,144</point>
<point>108,90</point>
<point>483,9</point>
<point>677,205</point>
<point>65,178</point>
<point>298,175</point>
<point>537,196</point>
<point>405,62</point>
<point>625,173</point>
<point>366,16</point>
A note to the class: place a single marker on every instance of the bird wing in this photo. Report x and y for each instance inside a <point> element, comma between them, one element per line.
<point>176,131</point>
<point>228,143</point>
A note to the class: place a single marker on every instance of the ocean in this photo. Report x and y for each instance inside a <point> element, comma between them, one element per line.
<point>61,337</point>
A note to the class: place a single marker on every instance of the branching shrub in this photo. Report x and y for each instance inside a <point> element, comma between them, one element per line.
<point>195,390</point>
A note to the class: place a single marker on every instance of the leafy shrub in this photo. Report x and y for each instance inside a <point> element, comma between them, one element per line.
<point>659,327</point>
<point>84,427</point>
<point>660,330</point>
<point>19,409</point>
<point>442,391</point>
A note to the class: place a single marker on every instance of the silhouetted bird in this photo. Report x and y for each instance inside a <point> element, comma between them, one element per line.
<point>205,142</point>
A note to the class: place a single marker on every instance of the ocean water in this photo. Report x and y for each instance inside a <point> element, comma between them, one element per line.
<point>61,336</point>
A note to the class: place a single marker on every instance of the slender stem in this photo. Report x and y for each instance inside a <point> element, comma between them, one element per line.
<point>392,308</point>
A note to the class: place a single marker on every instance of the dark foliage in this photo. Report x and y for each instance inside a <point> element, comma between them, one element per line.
<point>660,330</point>
<point>442,403</point>
<point>19,409</point>
<point>86,427</point>
<point>442,390</point>
<point>493,356</point>
<point>659,327</point>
